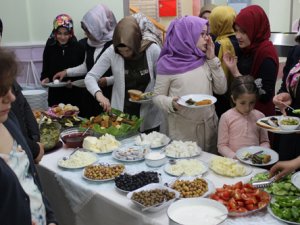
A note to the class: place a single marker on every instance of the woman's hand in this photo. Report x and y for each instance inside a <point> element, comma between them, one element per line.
<point>282,100</point>
<point>60,75</point>
<point>102,82</point>
<point>210,52</point>
<point>231,63</point>
<point>284,168</point>
<point>45,81</point>
<point>175,105</point>
<point>41,153</point>
<point>104,102</point>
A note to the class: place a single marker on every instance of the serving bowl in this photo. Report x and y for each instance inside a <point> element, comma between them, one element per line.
<point>155,159</point>
<point>289,123</point>
<point>50,134</point>
<point>73,137</point>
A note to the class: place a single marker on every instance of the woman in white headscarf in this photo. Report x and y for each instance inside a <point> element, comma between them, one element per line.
<point>98,24</point>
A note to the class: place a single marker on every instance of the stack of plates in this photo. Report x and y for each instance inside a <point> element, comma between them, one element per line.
<point>37,98</point>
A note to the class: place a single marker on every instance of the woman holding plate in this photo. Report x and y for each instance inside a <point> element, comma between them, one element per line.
<point>188,65</point>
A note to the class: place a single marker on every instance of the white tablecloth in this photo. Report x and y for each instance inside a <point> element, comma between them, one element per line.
<point>90,203</point>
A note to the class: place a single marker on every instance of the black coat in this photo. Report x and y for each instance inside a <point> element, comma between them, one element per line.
<point>17,199</point>
<point>26,119</point>
<point>57,58</point>
<point>14,202</point>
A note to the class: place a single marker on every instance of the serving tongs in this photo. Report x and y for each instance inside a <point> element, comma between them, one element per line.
<point>264,183</point>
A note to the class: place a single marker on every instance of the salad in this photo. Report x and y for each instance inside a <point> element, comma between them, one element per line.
<point>283,187</point>
<point>287,208</point>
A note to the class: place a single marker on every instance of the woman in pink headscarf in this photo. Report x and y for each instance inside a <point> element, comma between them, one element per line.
<point>188,65</point>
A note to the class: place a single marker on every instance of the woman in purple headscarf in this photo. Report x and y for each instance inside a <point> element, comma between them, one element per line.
<point>188,65</point>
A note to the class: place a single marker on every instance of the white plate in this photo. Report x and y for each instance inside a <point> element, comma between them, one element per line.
<point>210,186</point>
<point>248,171</point>
<point>59,163</point>
<point>278,218</point>
<point>278,131</point>
<point>60,84</point>
<point>188,157</point>
<point>296,179</point>
<point>196,97</point>
<point>167,169</point>
<point>141,101</point>
<point>194,210</point>
<point>103,180</point>
<point>153,186</point>
<point>143,151</point>
<point>101,153</point>
<point>164,141</point>
<point>240,154</point>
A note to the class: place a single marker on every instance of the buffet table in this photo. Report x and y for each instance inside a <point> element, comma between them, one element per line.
<point>80,202</point>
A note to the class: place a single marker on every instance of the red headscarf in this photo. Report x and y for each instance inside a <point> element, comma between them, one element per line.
<point>255,23</point>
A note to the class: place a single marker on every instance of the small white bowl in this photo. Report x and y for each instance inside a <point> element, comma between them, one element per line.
<point>289,126</point>
<point>155,159</point>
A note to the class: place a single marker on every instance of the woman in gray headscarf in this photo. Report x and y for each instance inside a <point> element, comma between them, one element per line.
<point>98,24</point>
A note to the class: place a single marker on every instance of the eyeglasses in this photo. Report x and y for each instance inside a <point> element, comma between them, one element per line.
<point>204,34</point>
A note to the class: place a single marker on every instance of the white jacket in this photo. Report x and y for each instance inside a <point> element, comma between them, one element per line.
<point>149,112</point>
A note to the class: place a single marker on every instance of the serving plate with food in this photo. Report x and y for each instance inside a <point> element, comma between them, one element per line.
<point>102,172</point>
<point>280,124</point>
<point>77,160</point>
<point>130,154</point>
<point>56,83</point>
<point>257,156</point>
<point>106,143</point>
<point>190,167</point>
<point>129,182</point>
<point>62,110</point>
<point>193,187</point>
<point>138,96</point>
<point>229,167</point>
<point>241,199</point>
<point>283,187</point>
<point>153,139</point>
<point>285,209</point>
<point>182,149</point>
<point>116,123</point>
<point>49,133</point>
<point>153,197</point>
<point>196,100</point>
<point>197,211</point>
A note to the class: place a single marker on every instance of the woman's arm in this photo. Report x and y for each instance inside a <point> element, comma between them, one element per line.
<point>223,138</point>
<point>283,168</point>
<point>161,92</point>
<point>219,81</point>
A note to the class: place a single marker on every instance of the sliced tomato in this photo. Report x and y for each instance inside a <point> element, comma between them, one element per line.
<point>242,210</point>
<point>238,185</point>
<point>237,195</point>
<point>240,203</point>
<point>248,186</point>
<point>250,207</point>
<point>250,201</point>
<point>262,204</point>
<point>232,203</point>
<point>244,196</point>
<point>225,195</point>
<point>215,197</point>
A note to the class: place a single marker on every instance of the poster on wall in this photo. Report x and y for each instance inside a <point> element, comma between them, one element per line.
<point>238,5</point>
<point>167,8</point>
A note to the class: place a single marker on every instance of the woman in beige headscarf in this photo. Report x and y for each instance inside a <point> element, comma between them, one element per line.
<point>221,27</point>
<point>132,59</point>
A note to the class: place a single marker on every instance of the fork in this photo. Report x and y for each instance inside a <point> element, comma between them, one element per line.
<point>264,183</point>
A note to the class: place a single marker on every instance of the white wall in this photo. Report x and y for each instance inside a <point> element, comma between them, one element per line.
<point>30,21</point>
<point>278,11</point>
